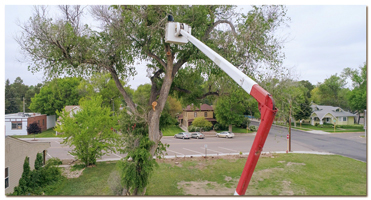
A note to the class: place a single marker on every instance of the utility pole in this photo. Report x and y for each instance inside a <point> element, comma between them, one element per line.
<point>290,129</point>
<point>23,106</point>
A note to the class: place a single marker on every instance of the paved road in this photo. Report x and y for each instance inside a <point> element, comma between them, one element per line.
<point>350,145</point>
<point>346,144</point>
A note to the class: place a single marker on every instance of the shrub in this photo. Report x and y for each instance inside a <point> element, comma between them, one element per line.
<point>33,128</point>
<point>202,123</point>
<point>316,124</point>
<point>252,128</point>
<point>245,123</point>
<point>219,127</point>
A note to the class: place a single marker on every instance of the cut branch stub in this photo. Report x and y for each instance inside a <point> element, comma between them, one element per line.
<point>154,104</point>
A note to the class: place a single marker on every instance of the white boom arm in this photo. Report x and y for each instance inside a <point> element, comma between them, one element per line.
<point>241,79</point>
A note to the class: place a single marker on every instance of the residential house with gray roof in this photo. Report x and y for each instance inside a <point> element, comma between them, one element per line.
<point>331,114</point>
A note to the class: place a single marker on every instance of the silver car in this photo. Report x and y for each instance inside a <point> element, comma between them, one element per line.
<point>183,135</point>
<point>225,134</point>
<point>198,135</point>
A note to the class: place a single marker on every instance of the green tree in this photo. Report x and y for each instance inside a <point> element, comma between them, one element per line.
<point>24,182</point>
<point>202,122</point>
<point>102,84</point>
<point>357,97</point>
<point>333,92</point>
<point>229,109</point>
<point>31,92</point>
<point>90,131</point>
<point>55,95</point>
<point>12,102</point>
<point>136,33</point>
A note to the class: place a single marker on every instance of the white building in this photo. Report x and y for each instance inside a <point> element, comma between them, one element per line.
<point>16,123</point>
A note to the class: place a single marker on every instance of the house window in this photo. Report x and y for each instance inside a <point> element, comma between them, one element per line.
<point>205,114</point>
<point>38,122</point>
<point>43,121</point>
<point>344,119</point>
<point>195,114</point>
<point>16,125</point>
<point>6,177</point>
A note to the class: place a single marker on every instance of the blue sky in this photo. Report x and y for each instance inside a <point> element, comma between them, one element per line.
<point>321,41</point>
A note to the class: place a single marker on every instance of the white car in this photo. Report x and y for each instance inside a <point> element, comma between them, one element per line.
<point>225,134</point>
<point>183,135</point>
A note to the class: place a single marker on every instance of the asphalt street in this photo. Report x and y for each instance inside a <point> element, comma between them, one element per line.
<point>346,144</point>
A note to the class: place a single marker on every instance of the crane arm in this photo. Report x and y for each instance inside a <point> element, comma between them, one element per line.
<point>180,34</point>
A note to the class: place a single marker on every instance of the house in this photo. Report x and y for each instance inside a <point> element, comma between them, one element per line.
<point>191,112</point>
<point>16,151</point>
<point>330,114</point>
<point>16,123</point>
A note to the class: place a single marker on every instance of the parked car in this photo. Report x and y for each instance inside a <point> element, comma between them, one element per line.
<point>198,135</point>
<point>225,134</point>
<point>183,135</point>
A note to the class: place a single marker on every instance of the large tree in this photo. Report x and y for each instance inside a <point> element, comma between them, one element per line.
<point>357,97</point>
<point>55,95</point>
<point>333,92</point>
<point>136,33</point>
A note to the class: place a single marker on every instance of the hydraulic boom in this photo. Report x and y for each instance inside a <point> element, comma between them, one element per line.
<point>180,33</point>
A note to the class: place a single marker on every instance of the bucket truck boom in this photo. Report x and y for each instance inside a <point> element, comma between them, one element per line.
<point>180,33</point>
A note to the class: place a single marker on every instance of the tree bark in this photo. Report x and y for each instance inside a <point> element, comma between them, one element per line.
<point>230,128</point>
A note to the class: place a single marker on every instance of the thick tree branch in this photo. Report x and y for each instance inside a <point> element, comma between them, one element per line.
<point>127,98</point>
<point>150,54</point>
<point>216,93</point>
<point>208,31</point>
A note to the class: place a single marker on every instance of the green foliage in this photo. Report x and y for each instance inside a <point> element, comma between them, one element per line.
<point>41,179</point>
<point>229,110</point>
<point>102,84</point>
<point>55,95</point>
<point>358,96</point>
<point>245,123</point>
<point>202,123</point>
<point>333,92</point>
<point>39,161</point>
<point>219,127</point>
<point>90,130</point>
<point>136,172</point>
<point>252,128</point>
<point>198,129</point>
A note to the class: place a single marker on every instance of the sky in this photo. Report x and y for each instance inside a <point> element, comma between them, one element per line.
<point>321,41</point>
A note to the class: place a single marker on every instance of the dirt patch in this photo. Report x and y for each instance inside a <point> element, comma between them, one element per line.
<point>227,178</point>
<point>292,163</point>
<point>204,188</point>
<point>286,190</point>
<point>66,171</point>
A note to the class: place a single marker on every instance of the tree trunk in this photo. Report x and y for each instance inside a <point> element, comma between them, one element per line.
<point>230,128</point>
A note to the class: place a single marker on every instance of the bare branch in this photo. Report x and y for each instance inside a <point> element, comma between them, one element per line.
<point>150,54</point>
<point>208,31</point>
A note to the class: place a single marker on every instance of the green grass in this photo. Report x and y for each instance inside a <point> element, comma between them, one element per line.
<point>301,174</point>
<point>48,133</point>
<point>171,130</point>
<point>236,130</point>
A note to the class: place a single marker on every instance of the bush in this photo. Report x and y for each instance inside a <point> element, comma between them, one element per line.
<point>316,124</point>
<point>33,128</point>
<point>219,127</point>
<point>252,128</point>
<point>41,180</point>
<point>244,124</point>
<point>203,123</point>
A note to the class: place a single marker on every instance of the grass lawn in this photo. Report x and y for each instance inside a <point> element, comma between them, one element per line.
<point>171,130</point>
<point>48,133</point>
<point>236,130</point>
<point>278,174</point>
<point>328,128</point>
